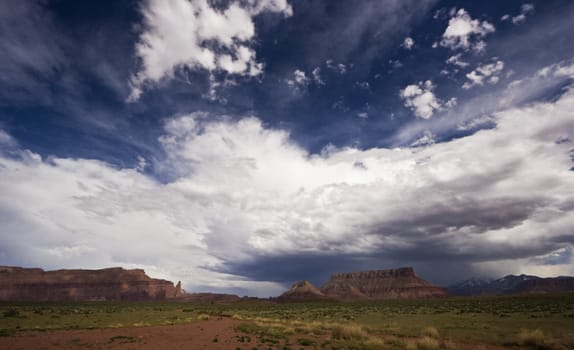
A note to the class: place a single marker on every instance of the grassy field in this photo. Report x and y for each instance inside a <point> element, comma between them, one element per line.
<point>535,322</point>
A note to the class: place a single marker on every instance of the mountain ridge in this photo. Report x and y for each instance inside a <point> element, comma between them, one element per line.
<point>512,284</point>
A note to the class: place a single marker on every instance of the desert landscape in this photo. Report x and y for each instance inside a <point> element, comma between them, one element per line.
<point>287,174</point>
<point>383,309</point>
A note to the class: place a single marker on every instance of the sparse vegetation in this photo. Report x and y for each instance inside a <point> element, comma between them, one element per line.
<point>546,321</point>
<point>537,340</point>
<point>427,343</point>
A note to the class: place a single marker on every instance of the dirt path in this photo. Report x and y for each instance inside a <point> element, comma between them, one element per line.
<point>212,334</point>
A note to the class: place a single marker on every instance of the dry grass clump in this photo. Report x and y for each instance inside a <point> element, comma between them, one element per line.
<point>535,339</point>
<point>427,343</point>
<point>348,332</point>
<point>375,343</point>
<point>430,332</point>
<point>203,317</point>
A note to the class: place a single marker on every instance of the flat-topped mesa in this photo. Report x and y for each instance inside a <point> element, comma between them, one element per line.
<point>22,284</point>
<point>400,283</point>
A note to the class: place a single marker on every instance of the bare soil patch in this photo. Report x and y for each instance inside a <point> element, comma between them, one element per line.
<point>211,334</point>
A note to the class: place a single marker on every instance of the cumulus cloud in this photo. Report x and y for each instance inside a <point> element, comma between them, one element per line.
<point>456,60</point>
<point>465,33</point>
<point>299,80</point>
<point>408,43</point>
<point>421,99</point>
<point>244,202</point>
<point>485,73</point>
<point>196,35</point>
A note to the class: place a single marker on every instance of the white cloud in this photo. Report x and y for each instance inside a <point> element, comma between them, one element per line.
<point>408,43</point>
<point>363,115</point>
<point>299,81</point>
<point>364,85</point>
<point>421,99</point>
<point>339,68</point>
<point>242,192</point>
<point>525,10</point>
<point>466,33</point>
<point>484,73</point>
<point>519,18</point>
<point>6,139</point>
<point>317,76</point>
<point>178,34</point>
<point>475,123</point>
<point>427,139</point>
<point>451,103</point>
<point>457,61</point>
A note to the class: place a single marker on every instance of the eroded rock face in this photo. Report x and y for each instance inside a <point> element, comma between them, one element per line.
<point>22,284</point>
<point>400,283</point>
<point>303,290</point>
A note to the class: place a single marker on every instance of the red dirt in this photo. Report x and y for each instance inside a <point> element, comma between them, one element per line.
<point>200,335</point>
<point>211,334</point>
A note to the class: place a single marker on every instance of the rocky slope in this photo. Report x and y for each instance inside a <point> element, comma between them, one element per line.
<point>23,284</point>
<point>400,283</point>
<point>303,290</point>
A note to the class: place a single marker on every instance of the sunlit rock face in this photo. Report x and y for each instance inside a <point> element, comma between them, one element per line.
<point>23,284</point>
<point>400,283</point>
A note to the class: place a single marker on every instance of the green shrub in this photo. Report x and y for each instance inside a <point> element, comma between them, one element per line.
<point>306,342</point>
<point>11,313</point>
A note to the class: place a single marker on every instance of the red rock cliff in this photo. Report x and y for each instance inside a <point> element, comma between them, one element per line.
<point>22,284</point>
<point>400,283</point>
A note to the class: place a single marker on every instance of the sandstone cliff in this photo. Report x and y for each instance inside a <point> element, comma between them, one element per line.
<point>303,290</point>
<point>400,283</point>
<point>22,284</point>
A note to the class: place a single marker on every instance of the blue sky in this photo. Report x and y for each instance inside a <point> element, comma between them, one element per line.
<point>242,145</point>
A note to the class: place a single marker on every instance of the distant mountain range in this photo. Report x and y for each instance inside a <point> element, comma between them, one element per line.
<point>512,284</point>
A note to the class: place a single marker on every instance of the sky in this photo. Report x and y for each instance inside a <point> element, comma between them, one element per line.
<point>242,145</point>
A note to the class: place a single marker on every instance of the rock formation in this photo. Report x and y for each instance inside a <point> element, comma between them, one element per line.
<point>23,284</point>
<point>400,283</point>
<point>302,290</point>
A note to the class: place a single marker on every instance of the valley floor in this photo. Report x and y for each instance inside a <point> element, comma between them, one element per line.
<point>481,323</point>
